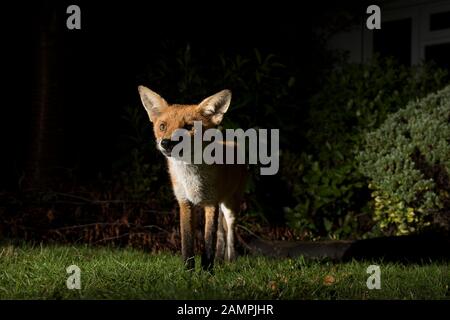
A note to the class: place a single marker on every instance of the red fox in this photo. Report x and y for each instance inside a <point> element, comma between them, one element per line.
<point>217,188</point>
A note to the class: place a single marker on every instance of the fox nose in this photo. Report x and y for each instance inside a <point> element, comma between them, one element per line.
<point>166,144</point>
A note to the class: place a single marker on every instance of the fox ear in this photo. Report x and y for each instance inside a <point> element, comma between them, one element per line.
<point>216,105</point>
<point>153,102</point>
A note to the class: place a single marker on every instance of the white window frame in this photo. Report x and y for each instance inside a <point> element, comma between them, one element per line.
<point>421,36</point>
<point>428,37</point>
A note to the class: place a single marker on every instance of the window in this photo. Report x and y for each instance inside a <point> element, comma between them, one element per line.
<point>440,21</point>
<point>394,39</point>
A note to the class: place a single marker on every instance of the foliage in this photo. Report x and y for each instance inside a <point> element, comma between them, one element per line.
<point>408,162</point>
<point>323,196</point>
<point>141,167</point>
<point>331,194</point>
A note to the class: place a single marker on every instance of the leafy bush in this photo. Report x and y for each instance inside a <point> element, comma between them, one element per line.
<point>141,168</point>
<point>408,162</point>
<point>317,192</point>
<point>331,195</point>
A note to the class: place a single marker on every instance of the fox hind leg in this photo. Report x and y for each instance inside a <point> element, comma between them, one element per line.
<point>229,216</point>
<point>221,241</point>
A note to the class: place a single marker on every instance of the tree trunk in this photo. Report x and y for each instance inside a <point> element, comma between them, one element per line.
<point>46,131</point>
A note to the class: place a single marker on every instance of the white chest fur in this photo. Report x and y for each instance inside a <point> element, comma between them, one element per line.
<point>193,182</point>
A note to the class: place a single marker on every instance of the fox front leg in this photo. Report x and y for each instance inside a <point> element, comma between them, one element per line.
<point>187,234</point>
<point>211,214</point>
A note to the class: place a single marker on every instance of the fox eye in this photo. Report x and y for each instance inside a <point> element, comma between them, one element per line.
<point>188,127</point>
<point>162,126</point>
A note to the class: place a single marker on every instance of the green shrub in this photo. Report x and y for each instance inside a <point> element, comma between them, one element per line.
<point>408,163</point>
<point>141,169</point>
<point>322,196</point>
<point>329,191</point>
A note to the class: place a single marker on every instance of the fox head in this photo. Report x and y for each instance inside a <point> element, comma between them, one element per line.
<point>167,118</point>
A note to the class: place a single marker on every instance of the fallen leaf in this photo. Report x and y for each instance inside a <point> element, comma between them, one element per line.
<point>273,285</point>
<point>329,280</point>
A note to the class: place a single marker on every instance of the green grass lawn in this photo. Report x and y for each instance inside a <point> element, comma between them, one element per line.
<point>39,272</point>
